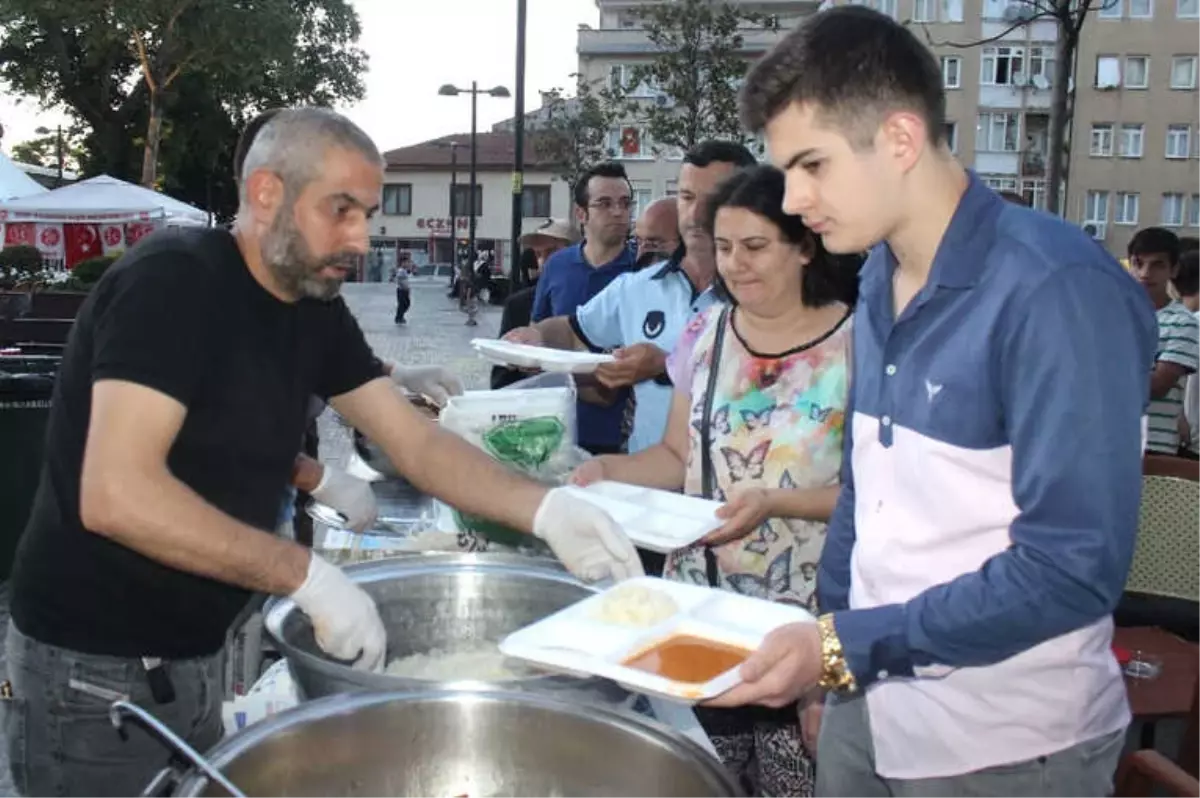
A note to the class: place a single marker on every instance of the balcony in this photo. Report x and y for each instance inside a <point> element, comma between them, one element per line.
<point>1033,163</point>
<point>633,41</point>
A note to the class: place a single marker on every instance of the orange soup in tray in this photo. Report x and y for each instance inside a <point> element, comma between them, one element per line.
<point>688,659</point>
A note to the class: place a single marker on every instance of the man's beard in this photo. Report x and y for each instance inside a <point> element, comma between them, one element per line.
<point>293,264</point>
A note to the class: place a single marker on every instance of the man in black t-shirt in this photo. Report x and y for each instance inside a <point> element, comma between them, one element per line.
<point>179,404</point>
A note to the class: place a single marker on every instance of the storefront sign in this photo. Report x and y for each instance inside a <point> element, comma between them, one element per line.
<point>441,225</point>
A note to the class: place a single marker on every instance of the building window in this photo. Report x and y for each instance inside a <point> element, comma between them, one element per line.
<point>1000,183</point>
<point>397,199</point>
<point>1102,141</point>
<point>1034,192</point>
<point>535,202</point>
<point>998,65</point>
<point>951,71</point>
<point>1172,210</point>
<point>1041,62</point>
<point>1111,9</point>
<point>1132,140</point>
<point>888,7</point>
<point>1179,141</point>
<point>925,10</point>
<point>1187,9</point>
<point>952,10</point>
<point>1137,71</point>
<point>1095,208</point>
<point>627,141</point>
<point>1108,71</point>
<point>1194,211</point>
<point>1183,72</point>
<point>1128,205</point>
<point>460,202</point>
<point>1141,9</point>
<point>998,131</point>
<point>951,134</point>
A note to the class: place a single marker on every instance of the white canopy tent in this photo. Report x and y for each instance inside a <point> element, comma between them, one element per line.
<point>15,183</point>
<point>101,199</point>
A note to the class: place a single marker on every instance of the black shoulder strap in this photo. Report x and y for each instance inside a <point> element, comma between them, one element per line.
<point>707,480</point>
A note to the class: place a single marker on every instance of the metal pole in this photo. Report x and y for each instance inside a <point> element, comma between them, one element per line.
<point>453,213</point>
<point>474,181</point>
<point>518,177</point>
<point>60,157</point>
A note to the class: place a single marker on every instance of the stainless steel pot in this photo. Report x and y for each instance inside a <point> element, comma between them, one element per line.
<point>443,602</point>
<point>456,743</point>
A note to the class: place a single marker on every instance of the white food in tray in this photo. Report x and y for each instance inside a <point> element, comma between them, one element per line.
<point>578,639</point>
<point>656,520</point>
<point>507,353</point>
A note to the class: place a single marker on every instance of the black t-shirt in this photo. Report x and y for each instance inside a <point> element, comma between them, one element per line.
<point>181,314</point>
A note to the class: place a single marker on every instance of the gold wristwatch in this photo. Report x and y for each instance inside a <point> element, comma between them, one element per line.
<point>835,675</point>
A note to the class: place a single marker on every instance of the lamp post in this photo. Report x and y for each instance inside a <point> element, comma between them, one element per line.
<point>453,147</point>
<point>450,90</point>
<point>518,177</point>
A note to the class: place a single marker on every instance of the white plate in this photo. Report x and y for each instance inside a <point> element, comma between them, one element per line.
<point>507,353</point>
<point>575,640</point>
<point>656,520</point>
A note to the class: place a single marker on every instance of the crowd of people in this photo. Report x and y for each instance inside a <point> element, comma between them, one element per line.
<point>936,447</point>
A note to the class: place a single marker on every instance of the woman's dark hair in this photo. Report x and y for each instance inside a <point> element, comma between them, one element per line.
<point>527,266</point>
<point>759,189</point>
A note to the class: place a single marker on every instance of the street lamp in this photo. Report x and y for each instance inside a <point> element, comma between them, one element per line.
<point>450,90</point>
<point>518,178</point>
<point>42,131</point>
<point>453,147</point>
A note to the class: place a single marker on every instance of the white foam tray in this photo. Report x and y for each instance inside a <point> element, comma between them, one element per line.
<point>656,520</point>
<point>507,353</point>
<point>575,641</point>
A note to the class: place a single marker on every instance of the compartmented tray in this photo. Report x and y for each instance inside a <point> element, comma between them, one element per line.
<point>579,640</point>
<point>656,520</point>
<point>507,353</point>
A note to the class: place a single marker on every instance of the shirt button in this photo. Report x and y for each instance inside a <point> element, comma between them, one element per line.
<point>886,421</point>
<point>881,675</point>
<point>890,370</point>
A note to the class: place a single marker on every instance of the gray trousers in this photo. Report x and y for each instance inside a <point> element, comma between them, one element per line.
<point>846,765</point>
<point>60,739</point>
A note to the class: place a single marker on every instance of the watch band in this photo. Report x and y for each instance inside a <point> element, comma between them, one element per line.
<point>835,675</point>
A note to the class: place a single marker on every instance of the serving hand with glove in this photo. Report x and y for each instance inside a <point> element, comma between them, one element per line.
<point>435,382</point>
<point>344,618</point>
<point>350,496</point>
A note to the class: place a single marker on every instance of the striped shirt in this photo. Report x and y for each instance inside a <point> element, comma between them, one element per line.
<point>1177,343</point>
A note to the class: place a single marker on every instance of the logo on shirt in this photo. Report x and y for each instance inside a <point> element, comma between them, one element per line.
<point>932,390</point>
<point>654,324</point>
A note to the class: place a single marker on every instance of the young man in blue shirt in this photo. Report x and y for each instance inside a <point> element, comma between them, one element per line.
<point>992,474</point>
<point>603,203</point>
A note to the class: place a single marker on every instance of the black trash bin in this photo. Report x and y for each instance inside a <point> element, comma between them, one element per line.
<point>26,385</point>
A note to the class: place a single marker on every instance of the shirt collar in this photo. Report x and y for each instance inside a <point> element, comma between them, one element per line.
<point>671,264</point>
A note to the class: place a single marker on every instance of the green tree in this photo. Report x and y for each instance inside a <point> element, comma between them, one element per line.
<point>1069,16</point>
<point>43,150</point>
<point>572,132</point>
<point>698,66</point>
<point>116,64</point>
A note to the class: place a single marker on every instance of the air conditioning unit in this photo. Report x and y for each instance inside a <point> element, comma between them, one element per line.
<point>1040,82</point>
<point>1017,12</point>
<point>1097,230</point>
<point>1019,80</point>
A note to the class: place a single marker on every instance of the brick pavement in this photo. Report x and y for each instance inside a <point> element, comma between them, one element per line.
<point>436,333</point>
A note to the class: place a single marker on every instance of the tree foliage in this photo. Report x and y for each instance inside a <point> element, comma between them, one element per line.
<point>572,132</point>
<point>117,66</point>
<point>698,65</point>
<point>42,150</point>
<point>1069,17</point>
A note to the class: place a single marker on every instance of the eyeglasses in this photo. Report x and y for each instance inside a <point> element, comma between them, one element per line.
<point>608,205</point>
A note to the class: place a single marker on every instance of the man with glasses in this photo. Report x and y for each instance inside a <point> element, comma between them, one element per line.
<point>656,232</point>
<point>572,276</point>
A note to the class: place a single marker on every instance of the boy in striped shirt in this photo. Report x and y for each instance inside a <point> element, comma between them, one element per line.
<point>1154,261</point>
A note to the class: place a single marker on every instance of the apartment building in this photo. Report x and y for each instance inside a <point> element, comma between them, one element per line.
<point>1134,142</point>
<point>420,209</point>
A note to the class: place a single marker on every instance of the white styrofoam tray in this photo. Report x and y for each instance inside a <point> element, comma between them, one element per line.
<point>507,353</point>
<point>574,640</point>
<point>657,520</point>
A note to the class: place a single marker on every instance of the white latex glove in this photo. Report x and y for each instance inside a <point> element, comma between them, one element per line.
<point>350,496</point>
<point>585,538</point>
<point>436,382</point>
<point>344,617</point>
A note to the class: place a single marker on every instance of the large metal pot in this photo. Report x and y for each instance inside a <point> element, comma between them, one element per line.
<point>442,602</point>
<point>460,743</point>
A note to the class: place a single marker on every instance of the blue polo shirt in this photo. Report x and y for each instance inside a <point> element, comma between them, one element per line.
<point>649,306</point>
<point>990,493</point>
<point>567,282</point>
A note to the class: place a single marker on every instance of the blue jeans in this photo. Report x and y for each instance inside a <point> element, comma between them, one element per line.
<point>60,739</point>
<point>846,765</point>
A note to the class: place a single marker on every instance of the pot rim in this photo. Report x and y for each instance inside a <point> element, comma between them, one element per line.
<point>279,608</point>
<point>228,749</point>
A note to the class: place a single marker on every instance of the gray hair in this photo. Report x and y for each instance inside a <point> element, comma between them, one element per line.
<point>294,142</point>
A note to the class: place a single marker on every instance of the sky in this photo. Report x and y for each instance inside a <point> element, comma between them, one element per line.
<point>414,48</point>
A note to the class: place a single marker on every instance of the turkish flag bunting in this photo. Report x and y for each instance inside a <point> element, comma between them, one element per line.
<point>112,237</point>
<point>83,242</point>
<point>50,240</point>
<point>19,234</point>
